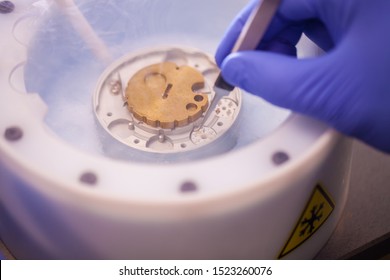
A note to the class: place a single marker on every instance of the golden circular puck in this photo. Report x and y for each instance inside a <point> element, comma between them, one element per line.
<point>165,95</point>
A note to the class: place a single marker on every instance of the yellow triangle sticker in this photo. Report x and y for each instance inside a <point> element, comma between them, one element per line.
<point>317,211</point>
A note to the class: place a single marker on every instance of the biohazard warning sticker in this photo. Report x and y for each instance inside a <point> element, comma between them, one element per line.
<point>317,211</point>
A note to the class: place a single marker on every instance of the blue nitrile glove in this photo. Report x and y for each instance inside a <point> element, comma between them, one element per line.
<point>348,87</point>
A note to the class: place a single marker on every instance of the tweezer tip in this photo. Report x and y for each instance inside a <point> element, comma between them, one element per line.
<point>222,84</point>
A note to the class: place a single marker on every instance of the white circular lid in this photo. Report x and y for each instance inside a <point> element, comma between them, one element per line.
<point>32,147</point>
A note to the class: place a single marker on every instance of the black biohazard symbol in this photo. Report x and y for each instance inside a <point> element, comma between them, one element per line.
<point>307,225</point>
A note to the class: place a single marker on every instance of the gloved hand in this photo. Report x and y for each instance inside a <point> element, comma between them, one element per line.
<point>348,87</point>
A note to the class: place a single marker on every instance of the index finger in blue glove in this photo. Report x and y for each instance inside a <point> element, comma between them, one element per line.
<point>347,88</point>
<point>281,36</point>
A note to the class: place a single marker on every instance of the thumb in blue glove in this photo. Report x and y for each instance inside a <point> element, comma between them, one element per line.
<point>348,87</point>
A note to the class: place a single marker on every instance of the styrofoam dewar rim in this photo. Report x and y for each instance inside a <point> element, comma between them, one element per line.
<point>62,170</point>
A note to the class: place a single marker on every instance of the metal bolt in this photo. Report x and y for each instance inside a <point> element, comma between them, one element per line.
<point>13,133</point>
<point>279,158</point>
<point>116,87</point>
<point>89,178</point>
<point>188,187</point>
<point>6,7</point>
<point>131,126</point>
<point>161,138</point>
